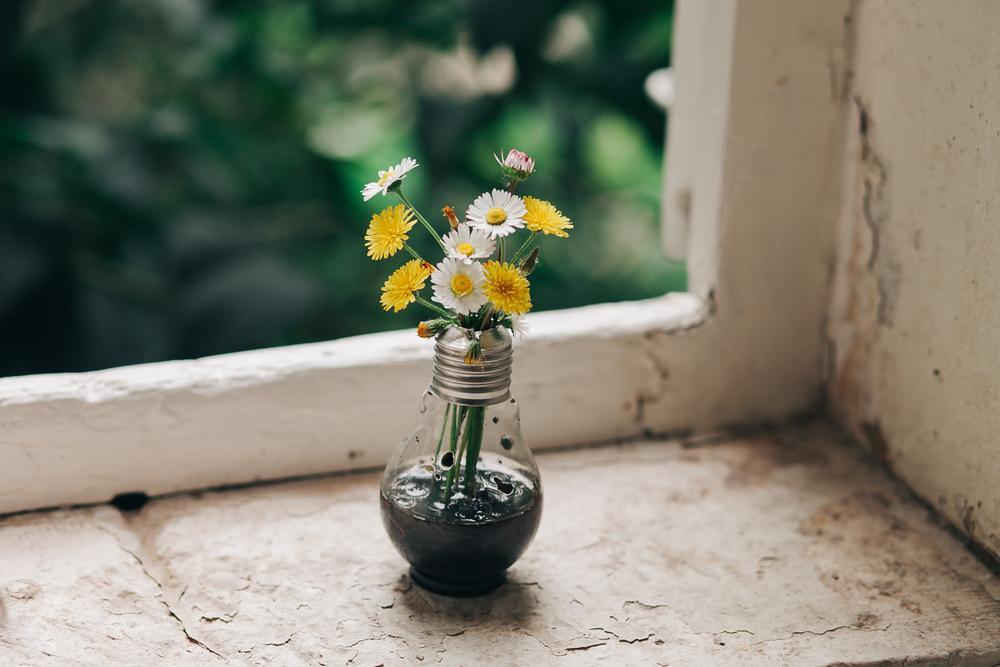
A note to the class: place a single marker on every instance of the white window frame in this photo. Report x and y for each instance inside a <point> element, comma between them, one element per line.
<point>750,200</point>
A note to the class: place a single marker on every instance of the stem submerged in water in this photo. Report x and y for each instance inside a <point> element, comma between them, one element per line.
<point>444,426</point>
<point>458,416</point>
<point>474,443</point>
<point>466,441</point>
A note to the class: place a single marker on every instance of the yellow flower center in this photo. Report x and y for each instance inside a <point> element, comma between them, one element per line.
<point>496,216</point>
<point>466,249</point>
<point>461,284</point>
<point>385,177</point>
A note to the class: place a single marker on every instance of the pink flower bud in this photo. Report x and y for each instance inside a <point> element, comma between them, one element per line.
<point>519,162</point>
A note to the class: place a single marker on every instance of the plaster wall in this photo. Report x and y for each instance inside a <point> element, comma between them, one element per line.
<point>915,312</point>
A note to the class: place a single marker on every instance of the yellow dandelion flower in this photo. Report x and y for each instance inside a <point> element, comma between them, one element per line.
<point>399,289</point>
<point>387,231</point>
<point>543,217</point>
<point>506,288</point>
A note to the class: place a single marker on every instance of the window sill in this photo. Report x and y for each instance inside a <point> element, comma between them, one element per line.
<point>786,547</point>
<point>584,375</point>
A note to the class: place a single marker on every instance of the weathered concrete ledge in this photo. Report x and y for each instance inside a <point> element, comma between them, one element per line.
<point>781,548</point>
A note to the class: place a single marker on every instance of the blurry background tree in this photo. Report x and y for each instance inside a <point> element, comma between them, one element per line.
<point>180,177</point>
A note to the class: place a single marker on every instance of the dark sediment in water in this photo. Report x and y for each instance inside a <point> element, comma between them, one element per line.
<point>474,536</point>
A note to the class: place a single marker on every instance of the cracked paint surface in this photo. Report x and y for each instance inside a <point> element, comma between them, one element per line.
<point>780,547</point>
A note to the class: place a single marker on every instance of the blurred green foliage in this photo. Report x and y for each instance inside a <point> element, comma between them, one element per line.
<point>180,177</point>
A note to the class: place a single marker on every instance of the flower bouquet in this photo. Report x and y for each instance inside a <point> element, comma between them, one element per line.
<point>461,498</point>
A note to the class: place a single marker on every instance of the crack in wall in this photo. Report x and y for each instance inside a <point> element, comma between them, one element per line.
<point>552,650</point>
<point>649,392</point>
<point>875,176</point>
<point>812,633</point>
<point>161,595</point>
<point>622,639</point>
<point>585,647</point>
<point>875,214</point>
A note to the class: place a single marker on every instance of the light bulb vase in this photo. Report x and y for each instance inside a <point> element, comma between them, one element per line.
<point>462,497</point>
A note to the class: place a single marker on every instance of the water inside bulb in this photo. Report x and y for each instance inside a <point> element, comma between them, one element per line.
<point>500,490</point>
<point>446,471</point>
<point>462,498</point>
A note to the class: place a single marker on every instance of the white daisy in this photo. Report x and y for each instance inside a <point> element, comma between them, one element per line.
<point>458,286</point>
<point>518,327</point>
<point>497,213</point>
<point>388,178</point>
<point>467,244</point>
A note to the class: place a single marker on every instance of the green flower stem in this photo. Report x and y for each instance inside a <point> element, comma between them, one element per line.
<point>444,426</point>
<point>524,246</point>
<point>474,442</point>
<point>474,320</point>
<point>452,446</point>
<point>441,311</point>
<point>414,253</point>
<point>484,317</point>
<point>423,220</point>
<point>463,442</point>
<point>458,417</point>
